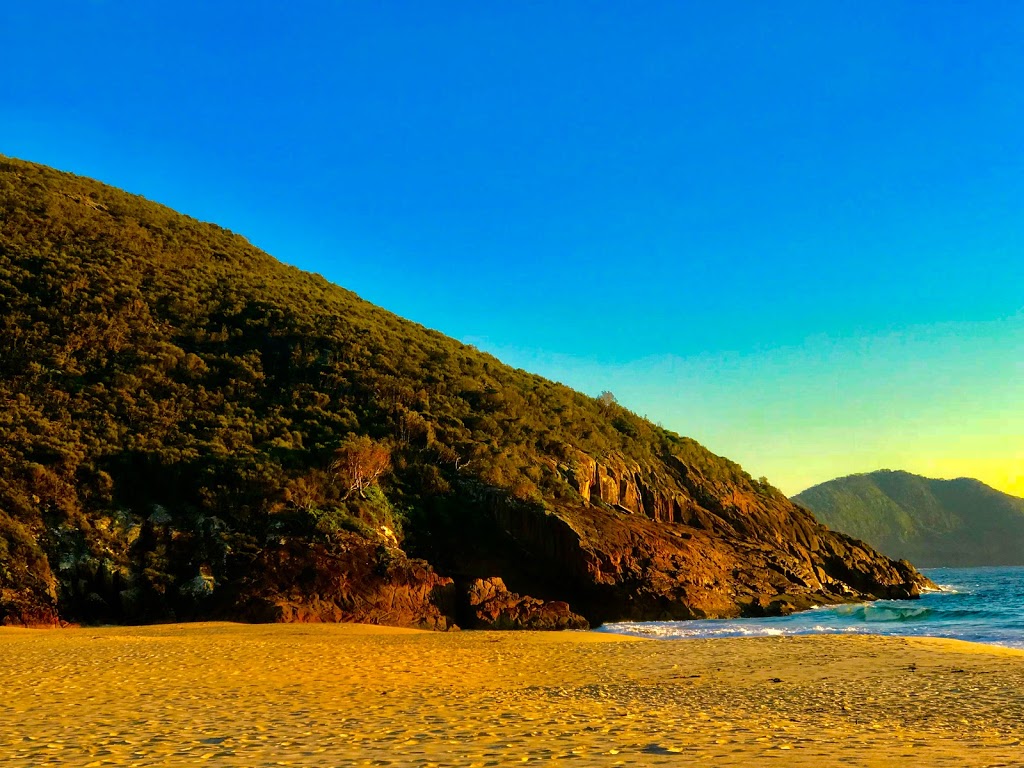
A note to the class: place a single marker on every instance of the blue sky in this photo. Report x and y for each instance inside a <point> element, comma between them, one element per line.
<point>793,231</point>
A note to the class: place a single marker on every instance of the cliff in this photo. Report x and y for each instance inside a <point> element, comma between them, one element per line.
<point>194,430</point>
<point>960,522</point>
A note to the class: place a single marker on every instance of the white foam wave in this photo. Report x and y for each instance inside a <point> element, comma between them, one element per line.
<point>979,605</point>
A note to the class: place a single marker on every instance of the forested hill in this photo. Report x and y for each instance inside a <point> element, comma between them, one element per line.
<point>191,429</point>
<point>960,522</point>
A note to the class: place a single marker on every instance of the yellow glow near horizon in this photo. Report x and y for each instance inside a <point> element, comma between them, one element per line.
<point>1005,476</point>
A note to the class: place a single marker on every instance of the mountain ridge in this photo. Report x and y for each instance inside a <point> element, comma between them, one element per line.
<point>933,522</point>
<point>188,424</point>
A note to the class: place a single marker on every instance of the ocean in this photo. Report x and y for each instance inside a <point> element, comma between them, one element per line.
<point>982,605</point>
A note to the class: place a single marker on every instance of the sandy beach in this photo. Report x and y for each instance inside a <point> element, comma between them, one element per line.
<point>334,695</point>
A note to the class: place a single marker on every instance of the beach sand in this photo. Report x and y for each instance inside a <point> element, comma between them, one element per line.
<point>334,695</point>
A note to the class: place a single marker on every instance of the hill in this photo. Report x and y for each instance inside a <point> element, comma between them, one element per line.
<point>192,429</point>
<point>960,522</point>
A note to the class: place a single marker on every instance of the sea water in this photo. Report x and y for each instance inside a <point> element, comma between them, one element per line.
<point>983,605</point>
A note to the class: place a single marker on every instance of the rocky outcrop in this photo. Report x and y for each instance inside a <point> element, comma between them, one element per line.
<point>23,608</point>
<point>680,546</point>
<point>622,484</point>
<point>354,579</point>
<point>492,606</point>
<point>633,567</point>
<point>28,588</point>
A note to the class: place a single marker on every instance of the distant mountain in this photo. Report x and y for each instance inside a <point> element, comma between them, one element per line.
<point>960,522</point>
<point>191,429</point>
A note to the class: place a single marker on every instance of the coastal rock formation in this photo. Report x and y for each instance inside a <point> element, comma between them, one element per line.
<point>930,522</point>
<point>23,608</point>
<point>28,588</point>
<point>354,580</point>
<point>729,550</point>
<point>193,430</point>
<point>492,606</point>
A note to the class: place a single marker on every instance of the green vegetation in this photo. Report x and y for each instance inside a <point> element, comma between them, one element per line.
<point>173,396</point>
<point>929,522</point>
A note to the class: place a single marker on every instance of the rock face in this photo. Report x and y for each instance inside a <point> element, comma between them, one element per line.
<point>695,549</point>
<point>492,606</point>
<point>28,587</point>
<point>345,577</point>
<point>186,423</point>
<point>354,580</point>
<point>22,608</point>
<point>933,523</point>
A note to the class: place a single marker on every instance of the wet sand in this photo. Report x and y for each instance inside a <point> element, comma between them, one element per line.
<point>316,695</point>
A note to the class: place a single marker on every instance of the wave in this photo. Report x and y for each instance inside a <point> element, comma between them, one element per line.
<point>986,607</point>
<point>673,631</point>
<point>873,612</point>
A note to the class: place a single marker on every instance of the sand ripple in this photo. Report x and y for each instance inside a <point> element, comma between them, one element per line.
<point>232,695</point>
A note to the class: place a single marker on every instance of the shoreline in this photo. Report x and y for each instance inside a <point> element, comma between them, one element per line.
<point>356,628</point>
<point>324,694</point>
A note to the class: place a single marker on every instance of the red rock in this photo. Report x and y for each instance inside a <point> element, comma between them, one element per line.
<point>493,606</point>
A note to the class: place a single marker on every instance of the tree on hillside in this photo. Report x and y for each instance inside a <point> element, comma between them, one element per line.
<point>359,462</point>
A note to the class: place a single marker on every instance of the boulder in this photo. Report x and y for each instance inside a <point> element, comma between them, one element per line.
<point>493,606</point>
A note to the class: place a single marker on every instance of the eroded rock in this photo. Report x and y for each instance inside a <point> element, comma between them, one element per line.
<point>349,579</point>
<point>493,606</point>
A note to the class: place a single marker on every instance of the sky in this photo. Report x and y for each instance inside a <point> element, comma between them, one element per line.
<point>793,231</point>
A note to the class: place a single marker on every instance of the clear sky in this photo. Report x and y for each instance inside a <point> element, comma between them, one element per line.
<point>793,231</point>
